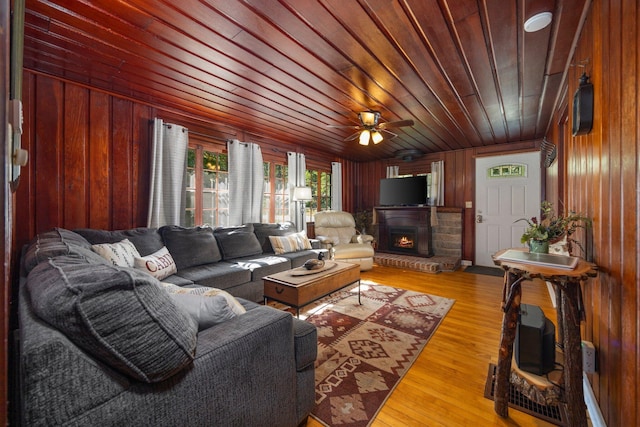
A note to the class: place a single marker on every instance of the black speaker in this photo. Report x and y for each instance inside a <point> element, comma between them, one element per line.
<point>535,341</point>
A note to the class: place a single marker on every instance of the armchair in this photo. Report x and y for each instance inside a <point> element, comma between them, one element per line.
<point>336,231</point>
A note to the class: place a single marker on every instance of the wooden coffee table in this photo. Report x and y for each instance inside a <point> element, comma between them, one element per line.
<point>299,287</point>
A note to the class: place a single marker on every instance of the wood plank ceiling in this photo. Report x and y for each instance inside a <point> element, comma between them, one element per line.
<point>464,71</point>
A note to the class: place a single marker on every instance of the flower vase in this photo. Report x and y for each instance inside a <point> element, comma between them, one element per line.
<point>539,246</point>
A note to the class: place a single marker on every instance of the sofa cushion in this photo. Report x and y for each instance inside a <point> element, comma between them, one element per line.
<point>238,244</point>
<point>305,339</point>
<point>263,265</point>
<point>290,243</point>
<point>190,246</point>
<point>177,280</point>
<point>121,316</point>
<point>248,228</point>
<point>58,242</point>
<point>306,343</point>
<point>220,275</point>
<point>122,254</point>
<point>207,306</point>
<point>159,264</point>
<point>263,231</point>
<point>146,240</point>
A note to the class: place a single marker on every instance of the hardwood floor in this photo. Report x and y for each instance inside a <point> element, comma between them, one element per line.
<point>445,386</point>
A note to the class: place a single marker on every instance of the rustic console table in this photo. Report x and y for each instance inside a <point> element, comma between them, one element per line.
<point>569,315</point>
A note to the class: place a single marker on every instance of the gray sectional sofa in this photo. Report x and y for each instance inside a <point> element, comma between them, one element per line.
<point>108,345</point>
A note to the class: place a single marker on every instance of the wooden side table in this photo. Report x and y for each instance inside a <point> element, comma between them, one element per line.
<point>569,315</point>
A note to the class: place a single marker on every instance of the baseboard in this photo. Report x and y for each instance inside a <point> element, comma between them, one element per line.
<point>466,262</point>
<point>593,409</point>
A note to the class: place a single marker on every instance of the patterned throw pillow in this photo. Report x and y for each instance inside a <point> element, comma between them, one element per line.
<point>159,264</point>
<point>290,243</point>
<point>207,306</point>
<point>122,254</point>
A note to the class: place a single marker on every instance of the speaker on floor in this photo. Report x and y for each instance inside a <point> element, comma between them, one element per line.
<point>534,345</point>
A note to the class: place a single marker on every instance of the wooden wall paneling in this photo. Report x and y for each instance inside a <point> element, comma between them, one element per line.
<point>350,185</point>
<point>629,154</point>
<point>24,200</point>
<point>601,180</point>
<point>141,164</point>
<point>6,233</point>
<point>468,217</point>
<point>121,162</point>
<point>99,162</point>
<point>612,64</point>
<point>74,196</point>
<point>46,155</point>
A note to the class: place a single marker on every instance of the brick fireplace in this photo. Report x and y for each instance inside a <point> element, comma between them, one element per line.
<point>405,230</point>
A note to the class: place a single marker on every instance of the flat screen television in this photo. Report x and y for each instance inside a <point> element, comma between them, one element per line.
<point>405,191</point>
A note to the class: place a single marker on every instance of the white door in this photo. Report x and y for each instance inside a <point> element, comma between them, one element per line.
<point>508,187</point>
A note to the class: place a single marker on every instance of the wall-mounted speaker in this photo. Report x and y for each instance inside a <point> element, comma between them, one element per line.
<point>583,107</point>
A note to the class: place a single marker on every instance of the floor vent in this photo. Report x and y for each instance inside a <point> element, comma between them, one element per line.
<point>554,414</point>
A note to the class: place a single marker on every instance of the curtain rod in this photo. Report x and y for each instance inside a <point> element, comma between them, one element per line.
<point>217,138</point>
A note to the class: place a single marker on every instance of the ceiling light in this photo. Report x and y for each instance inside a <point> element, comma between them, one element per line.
<point>376,137</point>
<point>538,22</point>
<point>364,137</point>
<point>369,118</point>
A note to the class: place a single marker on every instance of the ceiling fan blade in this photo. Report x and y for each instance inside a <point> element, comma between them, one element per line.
<point>352,137</point>
<point>345,126</point>
<point>393,135</point>
<point>398,124</point>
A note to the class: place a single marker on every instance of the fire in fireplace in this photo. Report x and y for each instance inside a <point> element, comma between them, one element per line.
<point>403,239</point>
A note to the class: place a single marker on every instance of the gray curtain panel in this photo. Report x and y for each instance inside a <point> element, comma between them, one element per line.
<point>168,174</point>
<point>336,186</point>
<point>246,182</point>
<point>297,167</point>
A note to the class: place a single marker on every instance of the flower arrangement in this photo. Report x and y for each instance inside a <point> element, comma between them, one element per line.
<point>363,221</point>
<point>552,227</point>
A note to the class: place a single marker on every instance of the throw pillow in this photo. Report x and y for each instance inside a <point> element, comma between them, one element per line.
<point>121,316</point>
<point>122,254</point>
<point>58,242</point>
<point>264,230</point>
<point>146,240</point>
<point>190,246</point>
<point>207,306</point>
<point>159,264</point>
<point>291,243</point>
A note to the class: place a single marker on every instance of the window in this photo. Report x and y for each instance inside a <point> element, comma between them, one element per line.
<point>208,188</point>
<point>275,203</point>
<point>320,183</point>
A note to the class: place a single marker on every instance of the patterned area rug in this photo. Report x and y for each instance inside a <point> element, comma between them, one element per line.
<point>365,350</point>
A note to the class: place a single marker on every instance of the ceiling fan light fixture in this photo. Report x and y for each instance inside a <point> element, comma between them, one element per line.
<point>364,137</point>
<point>376,137</point>
<point>369,118</point>
<point>537,22</point>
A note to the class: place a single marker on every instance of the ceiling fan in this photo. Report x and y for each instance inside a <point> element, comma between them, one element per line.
<point>370,130</point>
